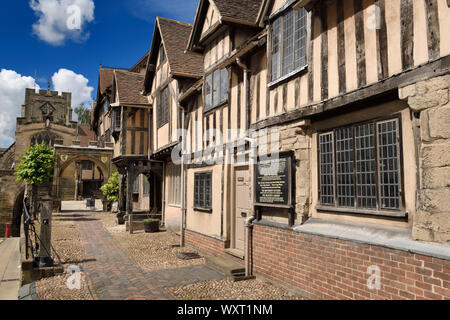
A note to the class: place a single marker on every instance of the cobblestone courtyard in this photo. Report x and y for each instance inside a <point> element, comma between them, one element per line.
<point>118,266</point>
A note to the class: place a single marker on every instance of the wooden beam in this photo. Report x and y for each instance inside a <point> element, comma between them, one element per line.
<point>433,34</point>
<point>429,70</point>
<point>407,34</point>
<point>360,44</point>
<point>324,50</point>
<point>382,50</point>
<point>341,47</point>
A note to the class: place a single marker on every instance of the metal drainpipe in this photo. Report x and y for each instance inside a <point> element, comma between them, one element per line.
<point>249,220</point>
<point>246,70</point>
<point>183,209</point>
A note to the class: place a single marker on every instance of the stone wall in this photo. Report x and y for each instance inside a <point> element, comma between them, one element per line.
<point>9,190</point>
<point>293,137</point>
<point>429,100</point>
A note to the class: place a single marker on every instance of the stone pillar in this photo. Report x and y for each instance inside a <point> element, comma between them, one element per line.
<point>429,100</point>
<point>44,258</point>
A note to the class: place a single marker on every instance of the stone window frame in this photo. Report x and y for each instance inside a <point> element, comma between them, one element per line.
<point>379,210</point>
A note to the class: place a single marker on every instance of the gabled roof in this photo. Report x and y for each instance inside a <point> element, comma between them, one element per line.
<point>174,36</point>
<point>240,12</point>
<point>129,86</point>
<point>244,11</point>
<point>142,63</point>
<point>105,79</point>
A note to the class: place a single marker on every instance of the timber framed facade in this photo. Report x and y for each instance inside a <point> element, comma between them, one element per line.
<point>356,94</point>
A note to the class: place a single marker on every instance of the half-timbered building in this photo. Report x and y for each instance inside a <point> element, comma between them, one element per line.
<point>169,71</point>
<point>352,95</point>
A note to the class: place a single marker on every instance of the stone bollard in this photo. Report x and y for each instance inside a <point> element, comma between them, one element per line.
<point>44,258</point>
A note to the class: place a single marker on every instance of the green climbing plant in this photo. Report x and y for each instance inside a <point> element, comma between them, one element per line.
<point>37,165</point>
<point>111,188</point>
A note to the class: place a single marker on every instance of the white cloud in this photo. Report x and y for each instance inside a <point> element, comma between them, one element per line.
<point>12,96</point>
<point>68,81</point>
<point>62,19</point>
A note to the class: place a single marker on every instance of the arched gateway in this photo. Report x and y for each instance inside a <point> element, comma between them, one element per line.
<point>80,171</point>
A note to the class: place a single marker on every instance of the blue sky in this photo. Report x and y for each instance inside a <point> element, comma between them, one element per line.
<point>116,33</point>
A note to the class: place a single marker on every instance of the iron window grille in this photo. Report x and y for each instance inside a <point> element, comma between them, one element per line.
<point>360,167</point>
<point>163,107</point>
<point>202,190</point>
<point>288,43</point>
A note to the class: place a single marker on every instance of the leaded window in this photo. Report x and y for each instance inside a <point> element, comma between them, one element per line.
<point>288,43</point>
<point>216,88</point>
<point>202,190</point>
<point>163,107</point>
<point>359,166</point>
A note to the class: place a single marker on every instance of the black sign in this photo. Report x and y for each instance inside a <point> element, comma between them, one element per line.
<point>273,182</point>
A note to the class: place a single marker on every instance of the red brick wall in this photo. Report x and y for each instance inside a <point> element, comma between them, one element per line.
<point>204,244</point>
<point>325,268</point>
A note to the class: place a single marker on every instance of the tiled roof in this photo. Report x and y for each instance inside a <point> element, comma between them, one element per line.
<point>105,79</point>
<point>129,86</point>
<point>175,36</point>
<point>244,10</point>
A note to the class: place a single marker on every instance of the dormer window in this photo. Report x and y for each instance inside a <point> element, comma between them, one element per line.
<point>288,43</point>
<point>216,88</point>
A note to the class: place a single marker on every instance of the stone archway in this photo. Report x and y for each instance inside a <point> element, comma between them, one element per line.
<point>72,176</point>
<point>17,214</point>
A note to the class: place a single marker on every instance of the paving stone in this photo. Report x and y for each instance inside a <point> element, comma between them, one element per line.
<point>114,275</point>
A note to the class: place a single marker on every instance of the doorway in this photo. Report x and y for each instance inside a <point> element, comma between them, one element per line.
<point>242,206</point>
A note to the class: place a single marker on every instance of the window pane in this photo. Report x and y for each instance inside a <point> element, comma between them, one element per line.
<point>224,85</point>
<point>345,167</point>
<point>207,190</point>
<point>365,166</point>
<point>326,169</point>
<point>216,88</point>
<point>276,49</point>
<point>208,89</point>
<point>300,38</point>
<point>288,43</point>
<point>388,164</point>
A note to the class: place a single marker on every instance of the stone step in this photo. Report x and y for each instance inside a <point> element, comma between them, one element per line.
<point>225,265</point>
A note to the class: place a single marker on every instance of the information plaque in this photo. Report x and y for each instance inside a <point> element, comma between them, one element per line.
<point>273,182</point>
